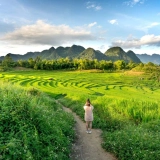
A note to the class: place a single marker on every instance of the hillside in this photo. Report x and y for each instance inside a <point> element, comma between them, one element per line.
<point>70,52</point>
<point>75,51</point>
<point>117,53</point>
<point>90,53</point>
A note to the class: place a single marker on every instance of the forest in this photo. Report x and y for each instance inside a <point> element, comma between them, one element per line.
<point>76,64</point>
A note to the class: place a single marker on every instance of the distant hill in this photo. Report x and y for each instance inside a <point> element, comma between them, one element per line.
<point>75,51</point>
<point>70,52</point>
<point>133,56</point>
<point>91,54</point>
<point>117,53</point>
<point>145,58</point>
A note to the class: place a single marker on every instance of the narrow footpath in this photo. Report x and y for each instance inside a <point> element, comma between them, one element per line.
<point>87,146</point>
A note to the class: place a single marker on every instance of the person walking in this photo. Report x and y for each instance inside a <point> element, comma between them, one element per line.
<point>88,117</point>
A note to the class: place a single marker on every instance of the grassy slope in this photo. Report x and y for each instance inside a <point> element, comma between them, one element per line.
<point>32,125</point>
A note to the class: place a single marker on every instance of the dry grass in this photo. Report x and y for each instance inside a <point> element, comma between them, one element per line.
<point>133,73</point>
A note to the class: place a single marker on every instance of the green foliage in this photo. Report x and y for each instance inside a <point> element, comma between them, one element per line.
<point>148,67</point>
<point>134,142</point>
<point>119,64</point>
<point>32,127</point>
<point>7,63</point>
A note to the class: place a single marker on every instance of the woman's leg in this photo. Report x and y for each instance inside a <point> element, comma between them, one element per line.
<point>90,125</point>
<point>87,125</point>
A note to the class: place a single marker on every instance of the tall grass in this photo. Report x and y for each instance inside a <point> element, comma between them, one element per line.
<point>33,126</point>
<point>139,111</point>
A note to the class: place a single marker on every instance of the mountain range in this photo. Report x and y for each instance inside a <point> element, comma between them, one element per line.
<point>145,58</point>
<point>76,51</point>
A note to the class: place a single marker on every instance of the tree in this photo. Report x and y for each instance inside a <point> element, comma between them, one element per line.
<point>7,62</point>
<point>21,63</point>
<point>119,64</point>
<point>96,63</point>
<point>31,62</point>
<point>131,65</point>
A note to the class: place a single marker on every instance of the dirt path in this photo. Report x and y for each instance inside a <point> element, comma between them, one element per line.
<point>87,146</point>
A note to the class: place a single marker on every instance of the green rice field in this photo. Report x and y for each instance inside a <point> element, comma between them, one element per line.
<point>110,85</point>
<point>126,105</point>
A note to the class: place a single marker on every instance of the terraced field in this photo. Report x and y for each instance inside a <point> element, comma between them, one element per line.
<point>107,90</point>
<point>89,84</point>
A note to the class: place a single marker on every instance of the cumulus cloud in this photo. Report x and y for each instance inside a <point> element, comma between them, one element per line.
<point>113,21</point>
<point>149,40</point>
<point>92,5</point>
<point>46,34</point>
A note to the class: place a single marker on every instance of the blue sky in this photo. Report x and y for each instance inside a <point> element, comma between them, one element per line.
<point>35,25</point>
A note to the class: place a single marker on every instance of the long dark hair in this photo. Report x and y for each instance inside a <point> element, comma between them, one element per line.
<point>88,103</point>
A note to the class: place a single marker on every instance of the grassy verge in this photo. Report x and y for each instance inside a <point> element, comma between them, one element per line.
<point>33,126</point>
<point>134,142</point>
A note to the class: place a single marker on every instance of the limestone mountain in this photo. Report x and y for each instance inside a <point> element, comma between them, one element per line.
<point>63,52</point>
<point>91,54</point>
<point>117,53</point>
<point>133,56</point>
<point>75,51</point>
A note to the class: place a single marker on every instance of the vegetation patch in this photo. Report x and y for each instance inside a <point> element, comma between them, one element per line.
<point>134,142</point>
<point>33,126</point>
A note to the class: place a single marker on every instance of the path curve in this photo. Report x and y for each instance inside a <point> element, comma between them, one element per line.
<point>87,146</point>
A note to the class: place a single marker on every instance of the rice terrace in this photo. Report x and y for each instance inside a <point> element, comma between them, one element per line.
<point>127,109</point>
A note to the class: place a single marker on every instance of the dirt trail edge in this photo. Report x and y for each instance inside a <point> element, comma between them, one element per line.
<point>87,146</point>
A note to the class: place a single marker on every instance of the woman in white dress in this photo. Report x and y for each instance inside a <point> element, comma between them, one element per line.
<point>88,117</point>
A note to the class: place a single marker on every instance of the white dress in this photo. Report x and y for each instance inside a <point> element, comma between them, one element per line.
<point>88,113</point>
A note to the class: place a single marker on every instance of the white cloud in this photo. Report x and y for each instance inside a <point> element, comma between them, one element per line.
<point>47,34</point>
<point>147,27</point>
<point>92,24</point>
<point>21,49</point>
<point>134,2</point>
<point>98,8</point>
<point>99,26</point>
<point>92,5</point>
<point>113,21</point>
<point>153,24</point>
<point>147,40</point>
